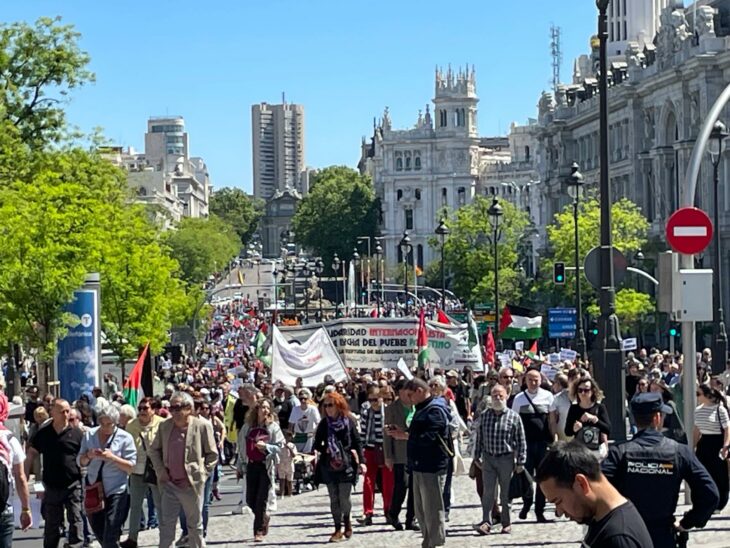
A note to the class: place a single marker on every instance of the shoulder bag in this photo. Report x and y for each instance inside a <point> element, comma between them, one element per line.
<point>149,475</point>
<point>94,492</point>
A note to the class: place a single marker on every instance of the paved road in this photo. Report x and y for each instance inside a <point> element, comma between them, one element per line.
<point>304,520</point>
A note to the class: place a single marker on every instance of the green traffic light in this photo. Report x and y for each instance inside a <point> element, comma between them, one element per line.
<point>595,331</point>
<point>673,332</point>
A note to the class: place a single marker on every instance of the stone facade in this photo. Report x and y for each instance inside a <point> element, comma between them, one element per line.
<point>276,222</point>
<point>439,164</point>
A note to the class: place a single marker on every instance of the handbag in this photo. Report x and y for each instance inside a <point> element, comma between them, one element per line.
<point>590,436</point>
<point>94,492</point>
<point>149,475</point>
<point>520,486</point>
<point>474,470</point>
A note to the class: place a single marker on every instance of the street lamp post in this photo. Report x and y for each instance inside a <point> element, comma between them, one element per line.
<point>405,248</point>
<point>442,230</point>
<point>336,268</point>
<point>319,268</point>
<point>378,255</point>
<point>362,239</point>
<point>715,147</point>
<point>575,189</point>
<point>495,213</point>
<point>356,260</point>
<point>608,355</point>
<point>305,273</point>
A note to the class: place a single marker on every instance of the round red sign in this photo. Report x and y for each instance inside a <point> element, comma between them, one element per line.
<point>689,230</point>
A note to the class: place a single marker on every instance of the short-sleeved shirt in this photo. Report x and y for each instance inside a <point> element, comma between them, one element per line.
<point>622,527</point>
<point>176,457</point>
<point>59,451</point>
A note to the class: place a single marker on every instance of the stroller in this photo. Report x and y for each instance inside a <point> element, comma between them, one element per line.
<point>303,472</point>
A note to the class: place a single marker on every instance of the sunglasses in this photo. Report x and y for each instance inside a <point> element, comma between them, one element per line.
<point>585,390</point>
<point>373,400</point>
<point>178,407</point>
<point>329,405</point>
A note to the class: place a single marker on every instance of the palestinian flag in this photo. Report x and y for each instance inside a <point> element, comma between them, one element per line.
<point>490,349</point>
<point>519,323</point>
<point>139,383</point>
<point>422,341</point>
<point>441,317</point>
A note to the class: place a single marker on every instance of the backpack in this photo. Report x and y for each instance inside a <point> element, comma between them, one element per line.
<point>6,461</point>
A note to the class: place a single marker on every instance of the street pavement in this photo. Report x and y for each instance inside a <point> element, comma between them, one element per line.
<point>304,520</point>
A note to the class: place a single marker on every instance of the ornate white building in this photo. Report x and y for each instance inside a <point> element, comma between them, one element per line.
<point>440,163</point>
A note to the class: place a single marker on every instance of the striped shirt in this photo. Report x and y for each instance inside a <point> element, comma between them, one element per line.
<point>501,434</point>
<point>706,419</point>
<point>371,426</point>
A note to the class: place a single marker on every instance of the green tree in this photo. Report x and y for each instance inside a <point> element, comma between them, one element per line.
<point>202,247</point>
<point>469,252</point>
<point>238,209</point>
<point>141,294</point>
<point>53,228</point>
<point>340,207</point>
<point>39,66</point>
<point>630,230</point>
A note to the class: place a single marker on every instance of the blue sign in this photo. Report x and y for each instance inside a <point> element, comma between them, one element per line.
<point>561,323</point>
<point>77,359</point>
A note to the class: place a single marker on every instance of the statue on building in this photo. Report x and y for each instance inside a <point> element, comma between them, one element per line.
<point>427,118</point>
<point>314,294</point>
<point>679,27</point>
<point>386,124</point>
<point>705,23</point>
<point>649,126</point>
<point>634,55</point>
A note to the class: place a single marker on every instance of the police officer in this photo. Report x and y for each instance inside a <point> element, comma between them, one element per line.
<point>649,469</point>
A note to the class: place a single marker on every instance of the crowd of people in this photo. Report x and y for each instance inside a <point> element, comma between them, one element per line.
<point>539,437</point>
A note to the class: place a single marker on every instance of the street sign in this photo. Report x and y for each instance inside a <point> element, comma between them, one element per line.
<point>561,323</point>
<point>689,230</point>
<point>592,267</point>
<point>629,344</point>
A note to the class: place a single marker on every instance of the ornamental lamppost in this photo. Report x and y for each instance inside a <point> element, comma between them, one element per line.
<point>442,230</point>
<point>306,273</point>
<point>715,146</point>
<point>575,190</point>
<point>378,257</point>
<point>336,268</point>
<point>608,360</point>
<point>405,249</point>
<point>356,259</point>
<point>495,213</point>
<point>319,269</point>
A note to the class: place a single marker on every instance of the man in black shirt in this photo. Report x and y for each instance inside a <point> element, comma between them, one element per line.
<point>59,443</point>
<point>570,476</point>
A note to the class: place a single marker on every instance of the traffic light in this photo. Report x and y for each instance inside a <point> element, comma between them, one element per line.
<point>559,273</point>
<point>673,330</point>
<point>594,330</point>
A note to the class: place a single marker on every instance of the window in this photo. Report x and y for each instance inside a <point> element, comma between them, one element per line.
<point>444,197</point>
<point>625,33</point>
<point>142,191</point>
<point>417,163</point>
<point>409,219</point>
<point>527,154</point>
<point>462,196</point>
<point>399,164</point>
<point>419,256</point>
<point>418,194</point>
<point>443,122</point>
<point>399,194</point>
<point>408,161</point>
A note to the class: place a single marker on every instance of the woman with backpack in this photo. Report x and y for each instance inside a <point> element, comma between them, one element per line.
<point>260,441</point>
<point>340,459</point>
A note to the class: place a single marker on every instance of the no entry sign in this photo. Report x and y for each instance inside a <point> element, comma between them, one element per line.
<point>689,231</point>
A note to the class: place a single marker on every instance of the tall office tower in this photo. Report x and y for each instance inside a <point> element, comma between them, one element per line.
<point>278,147</point>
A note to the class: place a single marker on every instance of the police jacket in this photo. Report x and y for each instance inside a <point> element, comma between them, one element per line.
<point>649,469</point>
<point>429,437</point>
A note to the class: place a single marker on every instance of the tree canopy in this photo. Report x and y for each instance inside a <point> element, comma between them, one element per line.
<point>39,65</point>
<point>340,207</point>
<point>238,209</point>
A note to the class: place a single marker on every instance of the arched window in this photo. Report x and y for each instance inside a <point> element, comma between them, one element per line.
<point>142,191</point>
<point>417,163</point>
<point>399,194</point>
<point>444,197</point>
<point>462,195</point>
<point>418,194</point>
<point>408,161</point>
<point>399,164</point>
<point>443,118</point>
<point>527,154</point>
<point>419,256</point>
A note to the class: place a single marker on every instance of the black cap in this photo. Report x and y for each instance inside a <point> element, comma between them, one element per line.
<point>648,403</point>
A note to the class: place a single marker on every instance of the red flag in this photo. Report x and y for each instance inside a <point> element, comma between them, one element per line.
<point>506,320</point>
<point>490,347</point>
<point>441,317</point>
<point>533,348</point>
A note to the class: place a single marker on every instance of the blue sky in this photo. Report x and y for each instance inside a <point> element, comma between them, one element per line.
<point>344,60</point>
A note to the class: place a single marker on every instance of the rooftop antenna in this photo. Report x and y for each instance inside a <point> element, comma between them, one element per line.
<point>283,98</point>
<point>556,53</point>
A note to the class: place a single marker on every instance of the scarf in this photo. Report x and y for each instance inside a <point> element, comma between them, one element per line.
<point>335,426</point>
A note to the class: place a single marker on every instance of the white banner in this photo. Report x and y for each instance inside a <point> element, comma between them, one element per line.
<point>375,343</point>
<point>629,344</point>
<point>310,360</point>
<point>566,354</point>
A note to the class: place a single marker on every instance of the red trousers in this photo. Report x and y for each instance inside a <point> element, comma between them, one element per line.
<point>368,492</point>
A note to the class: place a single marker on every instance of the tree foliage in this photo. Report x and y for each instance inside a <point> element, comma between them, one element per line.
<point>469,251</point>
<point>39,66</point>
<point>630,230</point>
<point>340,207</point>
<point>238,209</point>
<point>202,247</point>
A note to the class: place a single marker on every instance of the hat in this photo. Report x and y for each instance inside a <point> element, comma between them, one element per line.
<point>452,373</point>
<point>648,403</point>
